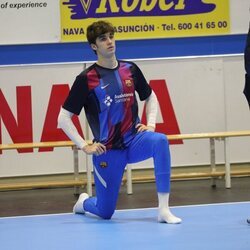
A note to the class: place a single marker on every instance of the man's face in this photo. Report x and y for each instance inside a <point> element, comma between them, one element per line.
<point>105,45</point>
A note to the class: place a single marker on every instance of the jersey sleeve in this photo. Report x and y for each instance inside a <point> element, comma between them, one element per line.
<point>247,54</point>
<point>141,85</point>
<point>77,95</point>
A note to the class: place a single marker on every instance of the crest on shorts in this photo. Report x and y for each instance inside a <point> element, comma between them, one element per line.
<point>103,164</point>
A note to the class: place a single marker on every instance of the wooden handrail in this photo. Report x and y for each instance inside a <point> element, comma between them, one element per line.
<point>36,145</point>
<point>76,182</point>
<point>216,135</point>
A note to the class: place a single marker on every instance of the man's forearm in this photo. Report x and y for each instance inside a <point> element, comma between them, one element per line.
<point>66,124</point>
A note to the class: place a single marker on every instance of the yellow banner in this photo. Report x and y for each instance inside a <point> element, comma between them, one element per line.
<point>141,19</point>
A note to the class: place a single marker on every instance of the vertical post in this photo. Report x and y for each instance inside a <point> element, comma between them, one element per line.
<point>129,179</point>
<point>227,163</point>
<point>76,169</point>
<point>212,161</point>
<point>88,166</point>
<point>89,177</point>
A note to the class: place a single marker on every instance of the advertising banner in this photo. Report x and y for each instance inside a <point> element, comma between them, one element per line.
<point>53,21</point>
<point>142,19</point>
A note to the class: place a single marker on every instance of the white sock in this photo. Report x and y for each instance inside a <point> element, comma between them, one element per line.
<point>165,214</point>
<point>78,208</point>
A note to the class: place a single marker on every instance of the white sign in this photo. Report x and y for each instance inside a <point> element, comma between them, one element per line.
<point>36,21</point>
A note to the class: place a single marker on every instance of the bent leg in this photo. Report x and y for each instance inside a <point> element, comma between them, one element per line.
<point>108,172</point>
<point>150,144</point>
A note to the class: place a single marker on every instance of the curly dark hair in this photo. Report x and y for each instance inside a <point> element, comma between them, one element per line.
<point>98,28</point>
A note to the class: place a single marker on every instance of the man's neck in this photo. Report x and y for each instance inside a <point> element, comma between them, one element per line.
<point>109,63</point>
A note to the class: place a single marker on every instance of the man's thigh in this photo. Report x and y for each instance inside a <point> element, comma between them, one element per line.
<point>142,146</point>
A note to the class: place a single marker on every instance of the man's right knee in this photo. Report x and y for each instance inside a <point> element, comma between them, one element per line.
<point>106,214</point>
<point>106,209</point>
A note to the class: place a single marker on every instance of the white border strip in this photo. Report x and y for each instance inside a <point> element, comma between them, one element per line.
<point>128,59</point>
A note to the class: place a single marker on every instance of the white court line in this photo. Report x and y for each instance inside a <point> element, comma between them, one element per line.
<point>194,205</point>
<point>133,209</point>
<point>36,215</point>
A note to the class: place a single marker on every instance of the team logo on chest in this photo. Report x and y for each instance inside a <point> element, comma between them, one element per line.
<point>128,82</point>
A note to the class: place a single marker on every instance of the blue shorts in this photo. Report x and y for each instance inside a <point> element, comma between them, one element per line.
<point>109,169</point>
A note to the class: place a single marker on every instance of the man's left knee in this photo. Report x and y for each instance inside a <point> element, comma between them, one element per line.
<point>161,139</point>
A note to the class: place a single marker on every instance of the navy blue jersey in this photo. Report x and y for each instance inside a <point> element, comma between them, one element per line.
<point>108,98</point>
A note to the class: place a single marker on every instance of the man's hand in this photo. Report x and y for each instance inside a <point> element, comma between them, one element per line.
<point>141,127</point>
<point>94,149</point>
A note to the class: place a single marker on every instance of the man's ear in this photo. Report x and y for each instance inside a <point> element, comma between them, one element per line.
<point>93,46</point>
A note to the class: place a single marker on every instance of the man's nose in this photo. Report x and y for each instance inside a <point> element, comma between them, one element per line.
<point>109,40</point>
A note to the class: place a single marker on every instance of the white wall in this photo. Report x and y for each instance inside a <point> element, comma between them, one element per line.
<point>240,16</point>
<point>41,79</point>
<point>207,97</point>
<point>29,25</point>
<point>206,94</point>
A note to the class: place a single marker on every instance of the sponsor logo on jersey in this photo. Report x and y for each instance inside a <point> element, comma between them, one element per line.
<point>123,97</point>
<point>108,100</point>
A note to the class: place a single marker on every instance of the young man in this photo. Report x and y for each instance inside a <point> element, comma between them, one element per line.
<point>106,91</point>
<point>247,75</point>
<point>247,68</point>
